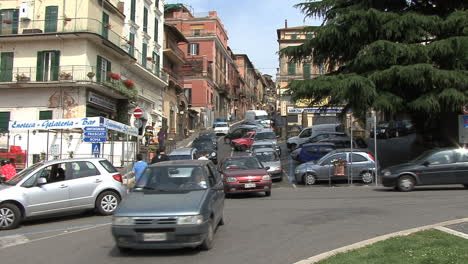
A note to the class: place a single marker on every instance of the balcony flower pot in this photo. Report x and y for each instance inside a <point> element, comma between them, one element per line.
<point>130,42</point>
<point>129,83</point>
<point>7,21</point>
<point>67,19</point>
<point>114,76</point>
<point>65,76</point>
<point>22,78</point>
<point>91,75</point>
<point>149,59</point>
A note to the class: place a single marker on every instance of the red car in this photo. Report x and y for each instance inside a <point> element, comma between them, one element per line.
<point>244,142</point>
<point>245,174</point>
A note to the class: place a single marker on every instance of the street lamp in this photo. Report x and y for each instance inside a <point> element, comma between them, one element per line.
<point>14,138</point>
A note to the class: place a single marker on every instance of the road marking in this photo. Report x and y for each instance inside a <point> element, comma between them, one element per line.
<point>51,229</point>
<point>13,241</point>
<point>452,232</point>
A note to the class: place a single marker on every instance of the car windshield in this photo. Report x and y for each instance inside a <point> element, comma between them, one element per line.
<point>222,125</point>
<point>172,178</point>
<point>261,146</point>
<point>204,145</point>
<point>247,135</point>
<point>266,156</point>
<point>265,135</point>
<point>180,157</point>
<point>22,174</point>
<point>262,117</point>
<point>242,164</point>
<point>220,119</point>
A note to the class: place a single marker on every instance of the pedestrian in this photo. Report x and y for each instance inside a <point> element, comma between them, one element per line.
<point>204,157</point>
<point>139,167</point>
<point>160,156</point>
<point>8,171</point>
<point>161,137</point>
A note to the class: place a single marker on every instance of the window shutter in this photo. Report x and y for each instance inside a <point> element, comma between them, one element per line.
<point>6,66</point>
<point>291,68</point>
<point>144,54</point>
<point>132,10</point>
<point>55,65</point>
<point>307,71</point>
<point>40,66</point>
<point>132,45</point>
<point>51,16</point>
<point>156,25</point>
<point>145,20</point>
<point>45,115</point>
<point>108,69</point>
<point>98,68</point>
<point>4,120</point>
<point>15,21</point>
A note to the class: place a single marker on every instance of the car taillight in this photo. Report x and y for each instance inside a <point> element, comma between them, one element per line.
<point>117,177</point>
<point>370,156</point>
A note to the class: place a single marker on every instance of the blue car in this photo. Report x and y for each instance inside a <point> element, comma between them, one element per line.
<point>220,120</point>
<point>314,151</point>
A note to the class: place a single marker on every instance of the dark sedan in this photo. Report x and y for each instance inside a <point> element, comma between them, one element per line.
<point>434,167</point>
<point>174,204</point>
<point>206,148</point>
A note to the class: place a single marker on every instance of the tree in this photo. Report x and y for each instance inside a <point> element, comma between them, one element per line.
<point>395,56</point>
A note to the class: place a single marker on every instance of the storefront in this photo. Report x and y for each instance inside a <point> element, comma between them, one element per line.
<point>99,105</point>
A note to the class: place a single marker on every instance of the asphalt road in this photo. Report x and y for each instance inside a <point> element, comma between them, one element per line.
<point>292,224</point>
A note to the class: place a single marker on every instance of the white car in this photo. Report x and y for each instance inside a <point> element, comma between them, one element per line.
<point>221,128</point>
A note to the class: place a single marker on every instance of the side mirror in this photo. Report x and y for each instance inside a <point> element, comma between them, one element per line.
<point>426,163</point>
<point>41,181</point>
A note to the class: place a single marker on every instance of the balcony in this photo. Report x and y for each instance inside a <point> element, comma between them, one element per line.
<point>70,75</point>
<point>197,67</point>
<point>150,65</point>
<point>198,33</point>
<point>175,78</point>
<point>174,52</point>
<point>69,27</point>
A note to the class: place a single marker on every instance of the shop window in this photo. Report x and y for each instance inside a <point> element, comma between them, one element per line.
<point>45,115</point>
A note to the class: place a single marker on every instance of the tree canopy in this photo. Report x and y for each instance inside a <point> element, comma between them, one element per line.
<point>397,56</point>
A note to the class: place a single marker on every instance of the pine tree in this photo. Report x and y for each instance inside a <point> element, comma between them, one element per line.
<point>395,56</point>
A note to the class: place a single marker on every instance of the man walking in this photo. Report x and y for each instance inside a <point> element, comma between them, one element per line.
<point>139,167</point>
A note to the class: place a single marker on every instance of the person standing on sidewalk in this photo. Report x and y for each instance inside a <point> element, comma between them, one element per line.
<point>8,171</point>
<point>139,167</point>
<point>161,137</point>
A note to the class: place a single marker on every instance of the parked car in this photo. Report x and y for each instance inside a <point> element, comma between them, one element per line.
<point>245,174</point>
<point>60,186</point>
<point>361,164</point>
<point>239,132</point>
<point>314,151</point>
<point>264,144</point>
<point>345,142</point>
<point>221,128</point>
<point>393,129</point>
<point>438,166</point>
<point>208,135</point>
<point>220,120</point>
<point>206,147</point>
<point>252,115</point>
<point>270,159</point>
<point>184,154</point>
<point>175,204</point>
<point>267,135</point>
<point>323,136</point>
<point>244,142</point>
<point>310,132</point>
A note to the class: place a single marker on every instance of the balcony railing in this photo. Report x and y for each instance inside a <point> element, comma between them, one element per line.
<point>198,33</point>
<point>68,25</point>
<point>176,78</point>
<point>173,46</point>
<point>150,65</point>
<point>63,74</point>
<point>198,67</point>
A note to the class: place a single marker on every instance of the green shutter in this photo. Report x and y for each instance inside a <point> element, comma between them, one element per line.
<point>105,22</point>
<point>4,120</point>
<point>145,20</point>
<point>144,54</point>
<point>55,67</point>
<point>132,10</point>
<point>40,66</point>
<point>45,115</point>
<point>51,16</point>
<point>108,69</point>
<point>291,68</point>
<point>98,68</point>
<point>156,26</point>
<point>6,66</point>
<point>132,46</point>
<point>15,21</point>
<point>307,71</point>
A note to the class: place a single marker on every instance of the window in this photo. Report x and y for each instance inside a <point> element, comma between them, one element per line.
<point>442,157</point>
<point>54,173</point>
<point>132,10</point>
<point>48,64</point>
<point>326,149</point>
<point>321,69</point>
<point>45,115</point>
<point>131,51</point>
<point>4,120</point>
<point>145,20</point>
<point>309,36</point>
<point>157,61</point>
<point>105,25</point>
<point>108,166</point>
<point>194,48</point>
<point>144,54</point>
<point>291,68</point>
<point>306,71</point>
<point>156,29</point>
<point>51,16</point>
<point>358,158</point>
<point>12,15</point>
<point>306,133</point>
<point>328,160</point>
<point>156,3</point>
<point>81,169</point>
<point>6,66</point>
<point>103,68</point>
<point>293,36</point>
<point>312,150</point>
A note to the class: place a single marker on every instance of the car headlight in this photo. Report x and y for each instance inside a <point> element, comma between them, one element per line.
<point>122,220</point>
<point>387,173</point>
<point>213,154</point>
<point>231,179</point>
<point>266,178</point>
<point>274,169</point>
<point>190,220</point>
<point>382,130</point>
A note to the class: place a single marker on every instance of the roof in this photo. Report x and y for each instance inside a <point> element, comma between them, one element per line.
<point>71,160</point>
<point>175,31</point>
<point>182,151</point>
<point>180,163</point>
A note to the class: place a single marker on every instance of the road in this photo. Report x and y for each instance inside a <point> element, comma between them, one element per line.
<point>292,224</point>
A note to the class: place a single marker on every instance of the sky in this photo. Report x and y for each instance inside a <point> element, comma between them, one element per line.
<point>252,25</point>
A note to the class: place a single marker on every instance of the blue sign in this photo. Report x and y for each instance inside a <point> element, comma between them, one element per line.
<point>465,121</point>
<point>95,129</point>
<point>95,134</point>
<point>96,149</point>
<point>94,139</point>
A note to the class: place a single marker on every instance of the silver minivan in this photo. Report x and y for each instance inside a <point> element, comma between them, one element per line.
<point>60,186</point>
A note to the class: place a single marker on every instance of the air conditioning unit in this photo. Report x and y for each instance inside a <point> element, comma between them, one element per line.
<point>25,11</point>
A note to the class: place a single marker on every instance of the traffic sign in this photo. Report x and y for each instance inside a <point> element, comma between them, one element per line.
<point>94,139</point>
<point>95,134</point>
<point>95,129</point>
<point>96,149</point>
<point>138,113</point>
<point>138,123</point>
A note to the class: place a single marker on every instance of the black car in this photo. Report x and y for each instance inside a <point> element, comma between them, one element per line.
<point>393,129</point>
<point>345,142</point>
<point>239,132</point>
<point>211,136</point>
<point>323,136</point>
<point>206,147</point>
<point>434,167</point>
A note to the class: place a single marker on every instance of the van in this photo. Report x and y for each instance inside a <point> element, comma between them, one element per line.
<point>252,115</point>
<point>310,132</point>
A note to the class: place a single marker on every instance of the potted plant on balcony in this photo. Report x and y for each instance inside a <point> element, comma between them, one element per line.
<point>339,167</point>
<point>7,21</point>
<point>65,76</point>
<point>129,83</point>
<point>149,59</point>
<point>91,75</point>
<point>108,26</point>
<point>22,78</point>
<point>130,42</point>
<point>67,19</point>
<point>114,76</point>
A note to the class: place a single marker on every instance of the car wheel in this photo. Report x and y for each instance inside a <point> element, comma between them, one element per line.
<point>268,193</point>
<point>243,148</point>
<point>406,183</point>
<point>309,179</point>
<point>107,202</point>
<point>124,249</point>
<point>367,177</point>
<point>221,221</point>
<point>10,216</point>
<point>208,242</point>
<point>466,186</point>
<point>293,147</point>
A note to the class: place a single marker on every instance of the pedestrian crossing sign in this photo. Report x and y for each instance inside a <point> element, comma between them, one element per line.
<point>96,149</point>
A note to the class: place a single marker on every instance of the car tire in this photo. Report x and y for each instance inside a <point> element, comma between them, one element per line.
<point>367,177</point>
<point>268,193</point>
<point>208,242</point>
<point>124,250</point>
<point>221,221</point>
<point>107,202</point>
<point>10,216</point>
<point>406,183</point>
<point>309,179</point>
<point>242,148</point>
<point>292,147</point>
<point>466,186</point>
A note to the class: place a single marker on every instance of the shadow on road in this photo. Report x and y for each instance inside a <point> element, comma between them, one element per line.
<point>134,253</point>
<point>58,218</point>
<point>423,189</point>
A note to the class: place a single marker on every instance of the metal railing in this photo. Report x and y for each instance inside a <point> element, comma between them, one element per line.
<point>178,79</point>
<point>150,65</point>
<point>67,25</point>
<point>197,67</point>
<point>175,48</point>
<point>198,33</point>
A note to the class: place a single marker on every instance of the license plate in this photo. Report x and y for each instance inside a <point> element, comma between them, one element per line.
<point>250,185</point>
<point>154,237</point>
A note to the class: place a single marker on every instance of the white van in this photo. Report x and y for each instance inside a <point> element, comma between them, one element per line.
<point>310,132</point>
<point>252,115</point>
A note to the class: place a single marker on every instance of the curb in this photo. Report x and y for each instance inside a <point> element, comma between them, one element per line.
<point>371,241</point>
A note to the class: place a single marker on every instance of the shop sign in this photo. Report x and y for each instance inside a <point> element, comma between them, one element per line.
<point>102,101</point>
<point>113,125</point>
<point>54,124</point>
<point>314,110</point>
